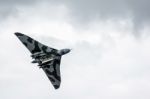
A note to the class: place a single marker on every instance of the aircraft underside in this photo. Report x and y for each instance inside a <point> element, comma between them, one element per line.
<point>47,58</point>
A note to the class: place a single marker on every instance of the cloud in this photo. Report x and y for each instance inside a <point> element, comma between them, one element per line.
<point>9,7</point>
<point>85,11</point>
<point>111,9</point>
<point>106,60</point>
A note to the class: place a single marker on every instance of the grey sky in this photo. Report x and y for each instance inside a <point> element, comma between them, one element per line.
<point>107,61</point>
<point>87,10</point>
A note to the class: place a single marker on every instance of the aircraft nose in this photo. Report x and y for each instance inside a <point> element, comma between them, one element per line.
<point>69,50</point>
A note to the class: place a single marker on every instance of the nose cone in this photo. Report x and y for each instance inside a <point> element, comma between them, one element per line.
<point>64,51</point>
<point>68,50</point>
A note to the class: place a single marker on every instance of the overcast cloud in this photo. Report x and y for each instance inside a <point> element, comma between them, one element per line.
<point>86,10</point>
<point>110,42</point>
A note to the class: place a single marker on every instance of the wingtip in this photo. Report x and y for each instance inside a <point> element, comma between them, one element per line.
<point>18,34</point>
<point>56,87</point>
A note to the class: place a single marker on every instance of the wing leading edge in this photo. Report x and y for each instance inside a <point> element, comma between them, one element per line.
<point>32,45</point>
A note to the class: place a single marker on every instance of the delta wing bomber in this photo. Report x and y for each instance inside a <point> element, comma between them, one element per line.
<point>47,58</point>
